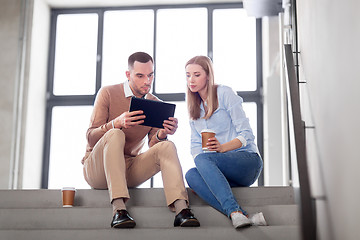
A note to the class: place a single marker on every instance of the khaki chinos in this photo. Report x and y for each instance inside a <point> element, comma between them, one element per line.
<point>107,168</point>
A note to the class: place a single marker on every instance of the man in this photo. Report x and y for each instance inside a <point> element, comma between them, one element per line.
<point>115,137</point>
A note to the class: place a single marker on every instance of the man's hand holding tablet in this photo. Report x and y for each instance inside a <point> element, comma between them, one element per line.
<point>129,119</point>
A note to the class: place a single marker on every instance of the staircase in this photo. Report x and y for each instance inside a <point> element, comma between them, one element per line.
<point>38,214</point>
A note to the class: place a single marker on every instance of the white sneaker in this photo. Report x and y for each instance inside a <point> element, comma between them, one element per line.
<point>239,220</point>
<point>258,219</point>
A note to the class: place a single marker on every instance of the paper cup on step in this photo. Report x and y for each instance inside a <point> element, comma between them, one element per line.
<point>68,195</point>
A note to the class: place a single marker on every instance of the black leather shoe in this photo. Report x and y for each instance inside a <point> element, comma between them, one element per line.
<point>186,219</point>
<point>122,219</point>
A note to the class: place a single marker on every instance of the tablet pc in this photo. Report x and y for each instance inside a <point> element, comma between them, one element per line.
<point>155,111</point>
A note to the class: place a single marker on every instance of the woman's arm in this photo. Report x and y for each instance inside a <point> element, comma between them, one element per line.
<point>233,104</point>
<point>196,147</point>
<point>240,123</point>
<point>214,145</point>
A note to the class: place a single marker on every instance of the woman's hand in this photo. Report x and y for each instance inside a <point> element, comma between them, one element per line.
<point>214,145</point>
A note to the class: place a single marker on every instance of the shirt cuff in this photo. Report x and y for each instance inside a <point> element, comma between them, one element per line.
<point>242,140</point>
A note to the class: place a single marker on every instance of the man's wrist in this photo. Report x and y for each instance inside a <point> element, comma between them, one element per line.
<point>160,139</point>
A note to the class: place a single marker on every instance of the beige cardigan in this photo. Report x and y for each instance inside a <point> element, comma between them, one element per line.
<point>110,103</point>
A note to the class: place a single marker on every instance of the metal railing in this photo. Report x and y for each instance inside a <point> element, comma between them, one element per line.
<point>307,208</point>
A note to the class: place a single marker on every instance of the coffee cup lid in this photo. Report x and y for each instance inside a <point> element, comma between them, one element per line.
<point>68,188</point>
<point>207,130</point>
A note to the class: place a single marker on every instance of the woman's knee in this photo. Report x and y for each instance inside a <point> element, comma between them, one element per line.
<point>192,177</point>
<point>202,159</point>
<point>190,174</point>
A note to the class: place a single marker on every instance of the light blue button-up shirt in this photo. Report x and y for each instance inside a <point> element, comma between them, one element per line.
<point>228,121</point>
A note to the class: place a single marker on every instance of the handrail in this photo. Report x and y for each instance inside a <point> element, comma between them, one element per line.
<point>307,209</point>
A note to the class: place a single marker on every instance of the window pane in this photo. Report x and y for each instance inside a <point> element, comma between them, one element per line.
<point>125,32</point>
<point>181,34</point>
<point>234,50</point>
<point>75,54</point>
<point>250,109</point>
<point>68,143</point>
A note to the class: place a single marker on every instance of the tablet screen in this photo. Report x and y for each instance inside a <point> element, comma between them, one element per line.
<point>155,111</point>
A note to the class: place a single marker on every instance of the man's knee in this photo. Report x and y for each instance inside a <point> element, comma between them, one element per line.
<point>167,152</point>
<point>114,135</point>
<point>166,147</point>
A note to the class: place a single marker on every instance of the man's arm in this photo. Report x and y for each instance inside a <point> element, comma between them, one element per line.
<point>158,134</point>
<point>98,121</point>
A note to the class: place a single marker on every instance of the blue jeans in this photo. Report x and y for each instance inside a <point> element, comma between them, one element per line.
<point>216,173</point>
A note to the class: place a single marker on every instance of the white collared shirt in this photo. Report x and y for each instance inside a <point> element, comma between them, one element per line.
<point>127,90</point>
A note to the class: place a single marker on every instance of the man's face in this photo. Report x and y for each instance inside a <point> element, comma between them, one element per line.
<point>140,78</point>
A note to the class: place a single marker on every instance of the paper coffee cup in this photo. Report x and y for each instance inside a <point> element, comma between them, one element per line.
<point>205,135</point>
<point>68,195</point>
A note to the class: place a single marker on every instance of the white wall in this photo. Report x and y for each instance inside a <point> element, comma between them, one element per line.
<point>36,100</point>
<point>9,78</point>
<point>23,68</point>
<point>329,35</point>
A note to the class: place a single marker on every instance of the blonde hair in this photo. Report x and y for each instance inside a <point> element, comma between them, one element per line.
<point>193,98</point>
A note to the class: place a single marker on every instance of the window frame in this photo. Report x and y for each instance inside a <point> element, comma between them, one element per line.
<point>88,100</point>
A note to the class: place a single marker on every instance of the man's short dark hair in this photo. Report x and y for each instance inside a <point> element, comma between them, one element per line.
<point>140,57</point>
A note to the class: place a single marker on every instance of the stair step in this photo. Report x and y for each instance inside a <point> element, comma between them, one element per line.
<point>146,217</point>
<point>38,214</point>
<point>209,233</point>
<point>43,198</point>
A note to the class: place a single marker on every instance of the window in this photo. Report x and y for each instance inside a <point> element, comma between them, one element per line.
<point>122,38</point>
<point>67,135</point>
<point>181,34</point>
<point>235,49</point>
<point>89,49</point>
<point>75,54</point>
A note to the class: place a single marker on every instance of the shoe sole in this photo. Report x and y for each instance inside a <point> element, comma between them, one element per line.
<point>126,224</point>
<point>190,223</point>
<point>243,225</point>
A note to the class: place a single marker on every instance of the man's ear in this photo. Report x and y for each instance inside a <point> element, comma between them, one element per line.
<point>127,74</point>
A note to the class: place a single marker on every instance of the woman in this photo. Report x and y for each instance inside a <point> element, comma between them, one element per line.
<point>233,160</point>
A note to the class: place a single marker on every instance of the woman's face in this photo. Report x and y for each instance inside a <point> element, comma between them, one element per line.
<point>196,79</point>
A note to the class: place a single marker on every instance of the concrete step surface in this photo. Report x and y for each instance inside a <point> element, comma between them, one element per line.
<point>208,233</point>
<point>145,217</point>
<point>43,198</point>
<point>38,214</point>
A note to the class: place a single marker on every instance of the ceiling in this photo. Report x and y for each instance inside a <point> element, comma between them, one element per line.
<point>107,3</point>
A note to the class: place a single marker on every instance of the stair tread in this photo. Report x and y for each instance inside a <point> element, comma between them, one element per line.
<point>38,214</point>
<point>251,196</point>
<point>264,232</point>
<point>152,217</point>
